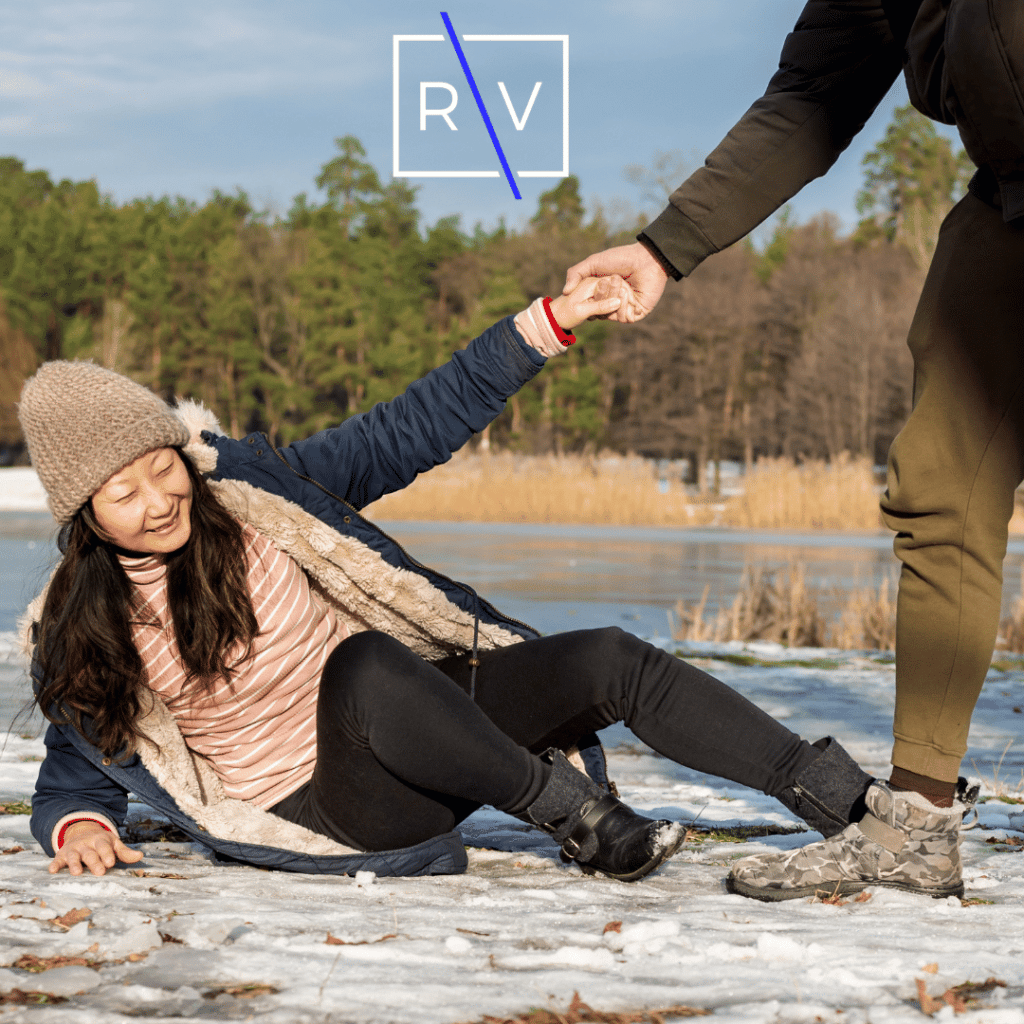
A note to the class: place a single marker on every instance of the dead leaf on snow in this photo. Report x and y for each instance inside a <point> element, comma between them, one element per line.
<point>835,900</point>
<point>969,989</point>
<point>17,997</point>
<point>250,991</point>
<point>13,849</point>
<point>580,1013</point>
<point>37,964</point>
<point>925,1001</point>
<point>331,940</point>
<point>142,873</point>
<point>950,998</point>
<point>930,968</point>
<point>612,926</point>
<point>1009,841</point>
<point>74,916</point>
<point>960,997</point>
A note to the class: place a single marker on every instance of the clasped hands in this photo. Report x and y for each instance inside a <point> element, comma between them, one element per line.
<point>630,273</point>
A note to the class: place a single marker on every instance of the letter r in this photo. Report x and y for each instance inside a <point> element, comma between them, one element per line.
<point>424,86</point>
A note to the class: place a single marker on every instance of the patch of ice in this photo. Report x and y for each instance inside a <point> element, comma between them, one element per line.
<point>779,947</point>
<point>643,936</point>
<point>199,933</point>
<point>91,886</point>
<point>60,981</point>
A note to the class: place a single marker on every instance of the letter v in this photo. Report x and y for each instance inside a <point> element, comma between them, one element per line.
<point>520,124</point>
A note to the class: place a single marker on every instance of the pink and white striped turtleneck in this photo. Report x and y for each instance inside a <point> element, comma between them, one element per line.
<point>259,729</point>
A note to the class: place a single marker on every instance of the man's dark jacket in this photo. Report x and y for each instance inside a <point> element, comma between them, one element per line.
<point>964,65</point>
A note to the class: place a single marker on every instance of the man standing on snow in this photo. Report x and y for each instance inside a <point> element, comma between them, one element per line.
<point>955,466</point>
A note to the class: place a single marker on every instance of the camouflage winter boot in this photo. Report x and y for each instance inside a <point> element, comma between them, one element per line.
<point>903,841</point>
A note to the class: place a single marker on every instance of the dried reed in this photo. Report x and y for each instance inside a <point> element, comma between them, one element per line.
<point>627,491</point>
<point>868,622</point>
<point>778,494</point>
<point>779,606</point>
<point>511,488</point>
<point>1012,628</point>
<point>785,612</point>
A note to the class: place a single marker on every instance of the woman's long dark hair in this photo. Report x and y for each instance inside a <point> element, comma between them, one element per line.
<point>90,669</point>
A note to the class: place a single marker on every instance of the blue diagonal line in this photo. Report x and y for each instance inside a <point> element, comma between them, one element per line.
<point>480,103</point>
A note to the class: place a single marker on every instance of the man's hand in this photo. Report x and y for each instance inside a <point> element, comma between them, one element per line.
<point>644,275</point>
<point>592,298</point>
<point>89,845</point>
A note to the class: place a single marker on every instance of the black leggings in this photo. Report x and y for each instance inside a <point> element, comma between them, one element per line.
<point>403,754</point>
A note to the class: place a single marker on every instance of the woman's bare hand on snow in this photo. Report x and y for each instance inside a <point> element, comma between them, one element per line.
<point>89,845</point>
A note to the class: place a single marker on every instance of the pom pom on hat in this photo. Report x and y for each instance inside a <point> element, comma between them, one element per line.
<point>84,423</point>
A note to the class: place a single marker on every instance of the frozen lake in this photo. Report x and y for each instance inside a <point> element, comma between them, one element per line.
<point>566,577</point>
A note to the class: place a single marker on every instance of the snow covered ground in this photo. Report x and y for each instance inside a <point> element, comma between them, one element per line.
<point>178,937</point>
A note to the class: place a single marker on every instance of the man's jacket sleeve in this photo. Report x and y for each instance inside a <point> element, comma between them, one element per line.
<point>836,66</point>
<point>69,784</point>
<point>383,450</point>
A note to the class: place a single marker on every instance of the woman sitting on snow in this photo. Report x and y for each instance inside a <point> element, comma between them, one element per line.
<point>228,639</point>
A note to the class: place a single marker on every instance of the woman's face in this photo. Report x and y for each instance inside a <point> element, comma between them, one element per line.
<point>146,507</point>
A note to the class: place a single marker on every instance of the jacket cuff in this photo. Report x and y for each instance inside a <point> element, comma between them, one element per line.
<point>676,241</point>
<point>68,819</point>
<point>532,323</point>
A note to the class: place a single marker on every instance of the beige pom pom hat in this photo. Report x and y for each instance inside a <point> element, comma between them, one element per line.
<point>84,423</point>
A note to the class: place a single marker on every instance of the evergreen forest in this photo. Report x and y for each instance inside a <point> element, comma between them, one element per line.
<point>290,324</point>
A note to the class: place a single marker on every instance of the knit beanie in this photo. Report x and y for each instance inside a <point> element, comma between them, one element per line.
<point>84,423</point>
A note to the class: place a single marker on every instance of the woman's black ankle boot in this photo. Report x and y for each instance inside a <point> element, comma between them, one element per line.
<point>596,829</point>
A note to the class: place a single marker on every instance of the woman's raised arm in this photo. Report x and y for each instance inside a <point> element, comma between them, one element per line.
<point>384,450</point>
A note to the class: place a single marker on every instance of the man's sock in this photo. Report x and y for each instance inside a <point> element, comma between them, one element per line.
<point>938,792</point>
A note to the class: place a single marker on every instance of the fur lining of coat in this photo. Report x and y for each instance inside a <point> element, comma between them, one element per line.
<point>366,592</point>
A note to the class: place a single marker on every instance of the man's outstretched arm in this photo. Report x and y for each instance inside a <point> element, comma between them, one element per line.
<point>836,66</point>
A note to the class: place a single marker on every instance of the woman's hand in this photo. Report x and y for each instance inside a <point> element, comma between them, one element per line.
<point>89,845</point>
<point>591,298</point>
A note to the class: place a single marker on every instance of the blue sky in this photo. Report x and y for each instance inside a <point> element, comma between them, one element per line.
<point>184,97</point>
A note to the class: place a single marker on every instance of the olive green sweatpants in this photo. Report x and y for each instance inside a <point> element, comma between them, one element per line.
<point>952,474</point>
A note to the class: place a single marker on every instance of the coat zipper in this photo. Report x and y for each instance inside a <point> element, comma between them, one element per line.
<point>415,561</point>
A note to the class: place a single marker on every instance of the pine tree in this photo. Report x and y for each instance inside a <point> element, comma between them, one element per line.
<point>560,209</point>
<point>911,182</point>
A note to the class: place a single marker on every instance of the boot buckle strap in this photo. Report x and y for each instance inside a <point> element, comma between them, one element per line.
<point>573,843</point>
<point>878,831</point>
